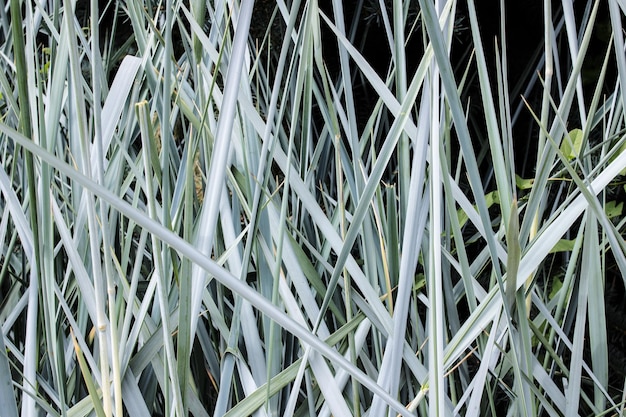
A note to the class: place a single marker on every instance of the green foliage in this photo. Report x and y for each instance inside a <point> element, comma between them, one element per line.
<point>231,208</point>
<point>572,144</point>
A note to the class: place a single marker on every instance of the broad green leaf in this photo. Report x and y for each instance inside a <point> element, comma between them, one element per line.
<point>524,184</point>
<point>563,245</point>
<point>613,209</point>
<point>490,198</point>
<point>572,143</point>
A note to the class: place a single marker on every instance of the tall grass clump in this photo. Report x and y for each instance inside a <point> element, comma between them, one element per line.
<point>226,208</point>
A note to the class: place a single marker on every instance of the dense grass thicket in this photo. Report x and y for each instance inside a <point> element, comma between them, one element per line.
<point>311,208</point>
